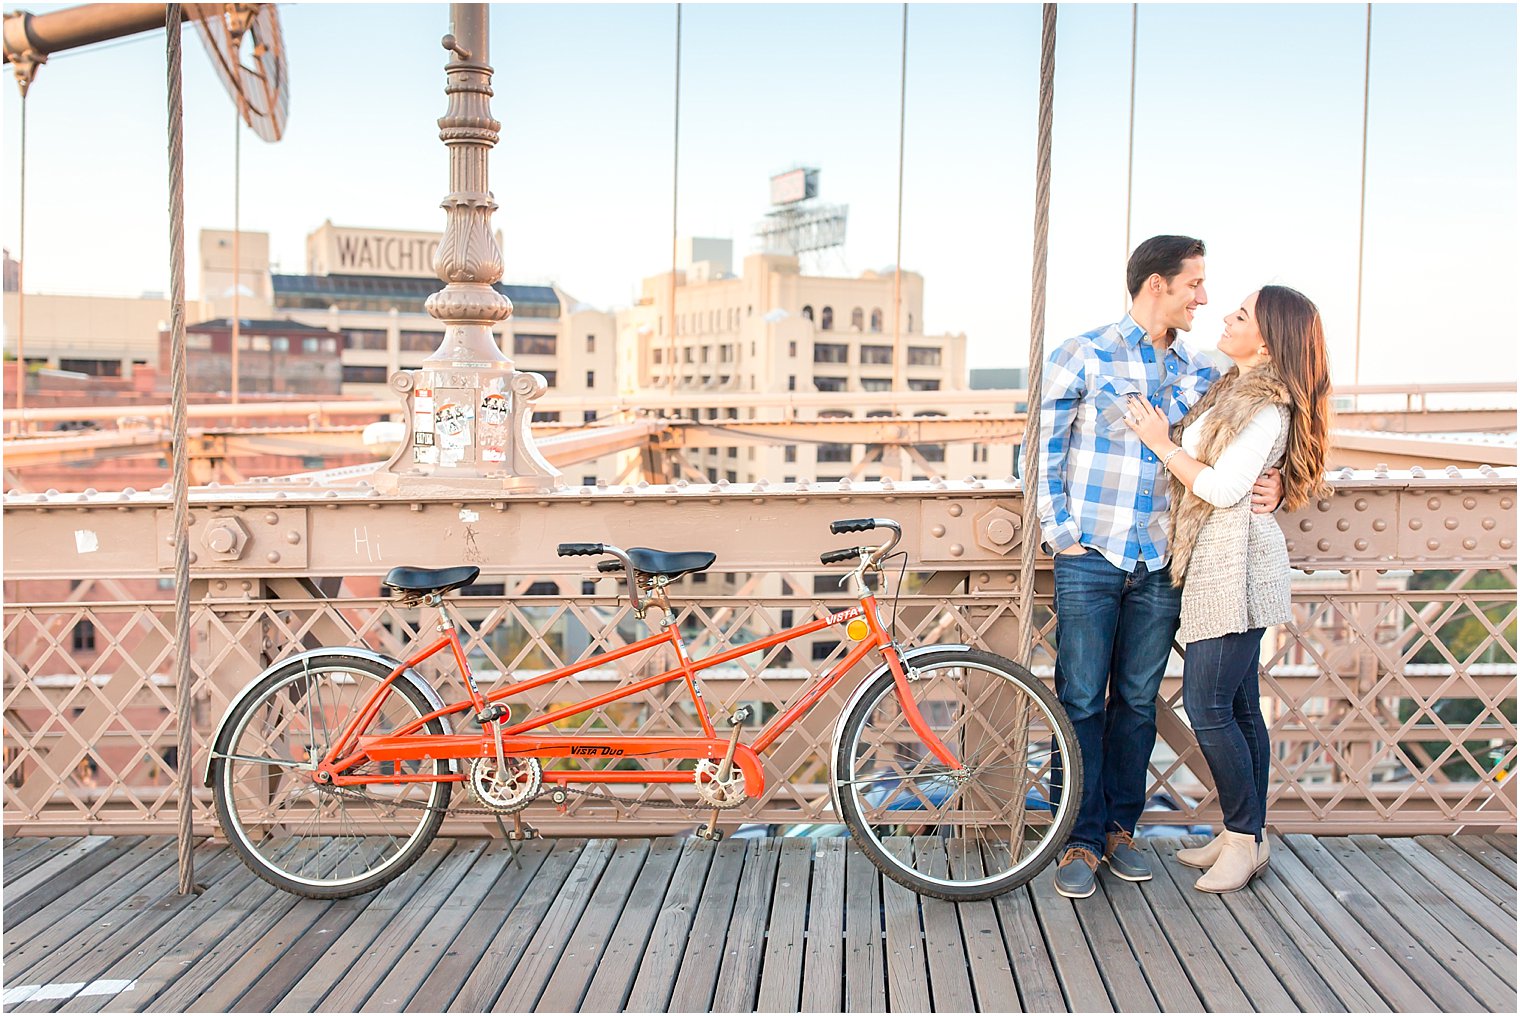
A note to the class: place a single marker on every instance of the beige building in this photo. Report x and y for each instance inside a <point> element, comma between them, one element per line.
<point>104,336</point>
<point>773,329</point>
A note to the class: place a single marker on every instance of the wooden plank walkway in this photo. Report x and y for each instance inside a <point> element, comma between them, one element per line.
<point>1345,924</point>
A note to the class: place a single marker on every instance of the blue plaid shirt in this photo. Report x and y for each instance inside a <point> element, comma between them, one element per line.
<point>1098,485</point>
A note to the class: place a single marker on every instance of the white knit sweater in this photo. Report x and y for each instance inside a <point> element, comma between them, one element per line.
<point>1238,576</point>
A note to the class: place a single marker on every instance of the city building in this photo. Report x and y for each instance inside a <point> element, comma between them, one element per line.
<point>274,357</point>
<point>772,329</point>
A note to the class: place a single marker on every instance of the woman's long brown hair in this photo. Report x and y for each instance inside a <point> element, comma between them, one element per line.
<point>1295,336</point>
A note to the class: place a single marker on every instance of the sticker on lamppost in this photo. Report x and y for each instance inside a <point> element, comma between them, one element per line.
<point>424,450</point>
<point>453,429</point>
<point>495,415</point>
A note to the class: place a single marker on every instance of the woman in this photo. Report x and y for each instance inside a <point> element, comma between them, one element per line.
<point>1232,565</point>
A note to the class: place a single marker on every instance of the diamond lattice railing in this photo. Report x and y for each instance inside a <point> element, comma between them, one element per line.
<point>1390,708</point>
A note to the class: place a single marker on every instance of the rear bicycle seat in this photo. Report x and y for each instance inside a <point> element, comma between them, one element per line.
<point>415,582</point>
<point>669,564</point>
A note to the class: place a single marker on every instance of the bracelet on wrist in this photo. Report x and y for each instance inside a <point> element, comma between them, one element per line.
<point>1166,460</point>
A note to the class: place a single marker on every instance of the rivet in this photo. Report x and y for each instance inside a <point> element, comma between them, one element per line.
<point>984,577</point>
<point>1323,545</point>
<point>222,584</point>
<point>1433,544</point>
<point>1451,523</point>
<point>292,537</point>
<point>1469,544</point>
<point>1360,504</point>
<point>1305,525</point>
<point>1343,524</point>
<point>1323,506</point>
<point>956,550</point>
<point>1415,523</point>
<point>1434,504</point>
<point>955,511</point>
<point>936,531</point>
<point>1000,531</point>
<point>247,586</point>
<point>1290,546</point>
<point>1506,503</point>
<point>270,518</point>
<point>194,557</point>
<point>1378,525</point>
<point>1488,523</point>
<point>1360,544</point>
<point>1469,503</point>
<point>1505,544</point>
<point>273,557</point>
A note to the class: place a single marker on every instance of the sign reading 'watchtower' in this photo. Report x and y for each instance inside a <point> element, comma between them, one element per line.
<point>349,250</point>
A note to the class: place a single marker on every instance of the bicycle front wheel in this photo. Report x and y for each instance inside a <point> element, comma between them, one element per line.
<point>306,838</point>
<point>966,832</point>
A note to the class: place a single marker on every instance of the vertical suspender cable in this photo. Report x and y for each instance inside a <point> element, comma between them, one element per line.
<point>675,194</point>
<point>1024,636</point>
<point>1129,175</point>
<point>237,238</point>
<point>182,676</point>
<point>21,278</point>
<point>1361,223</point>
<point>902,126</point>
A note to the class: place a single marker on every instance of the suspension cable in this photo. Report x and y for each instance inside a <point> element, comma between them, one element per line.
<point>675,196</point>
<point>1129,176</point>
<point>237,238</point>
<point>182,675</point>
<point>1024,634</point>
<point>21,280</point>
<point>902,126</point>
<point>1361,224</point>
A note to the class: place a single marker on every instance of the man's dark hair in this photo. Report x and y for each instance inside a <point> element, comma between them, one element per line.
<point>1160,255</point>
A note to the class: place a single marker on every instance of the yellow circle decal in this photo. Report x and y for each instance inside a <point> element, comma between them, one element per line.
<point>857,629</point>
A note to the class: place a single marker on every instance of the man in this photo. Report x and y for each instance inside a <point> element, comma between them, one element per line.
<point>1103,502</point>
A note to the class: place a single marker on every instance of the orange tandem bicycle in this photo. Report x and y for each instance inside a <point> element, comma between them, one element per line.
<point>955,770</point>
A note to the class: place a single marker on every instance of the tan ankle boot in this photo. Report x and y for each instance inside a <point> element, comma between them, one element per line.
<point>1204,856</point>
<point>1238,862</point>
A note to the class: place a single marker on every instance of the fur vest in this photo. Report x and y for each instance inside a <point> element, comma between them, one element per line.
<point>1231,563</point>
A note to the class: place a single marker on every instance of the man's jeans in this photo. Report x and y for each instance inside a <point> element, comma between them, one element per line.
<point>1114,633</point>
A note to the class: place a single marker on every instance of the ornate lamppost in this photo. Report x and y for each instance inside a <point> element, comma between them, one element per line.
<point>468,411</point>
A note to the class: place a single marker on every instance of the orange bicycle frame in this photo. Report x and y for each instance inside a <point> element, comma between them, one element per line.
<point>352,748</point>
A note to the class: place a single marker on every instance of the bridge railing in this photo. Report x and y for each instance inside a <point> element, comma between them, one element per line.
<point>1391,695</point>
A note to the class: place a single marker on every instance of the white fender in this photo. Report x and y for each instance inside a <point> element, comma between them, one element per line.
<point>907,655</point>
<point>360,652</point>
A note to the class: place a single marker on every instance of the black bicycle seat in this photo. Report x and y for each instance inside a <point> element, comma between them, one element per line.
<point>669,563</point>
<point>430,580</point>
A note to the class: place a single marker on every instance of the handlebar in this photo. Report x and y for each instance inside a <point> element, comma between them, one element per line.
<point>608,567</point>
<point>854,525</point>
<point>835,556</point>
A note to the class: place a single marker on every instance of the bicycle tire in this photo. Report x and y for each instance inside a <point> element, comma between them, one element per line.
<point>318,842</point>
<point>961,858</point>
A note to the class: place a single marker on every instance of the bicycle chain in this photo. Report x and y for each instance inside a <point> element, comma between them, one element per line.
<point>544,792</point>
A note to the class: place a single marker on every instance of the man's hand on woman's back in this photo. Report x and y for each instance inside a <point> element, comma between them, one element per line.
<point>1267,494</point>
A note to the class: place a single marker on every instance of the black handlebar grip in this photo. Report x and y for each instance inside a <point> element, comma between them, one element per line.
<point>608,567</point>
<point>835,556</point>
<point>852,526</point>
<point>579,549</point>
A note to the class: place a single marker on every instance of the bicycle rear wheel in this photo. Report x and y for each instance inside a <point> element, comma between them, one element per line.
<point>985,828</point>
<point>310,839</point>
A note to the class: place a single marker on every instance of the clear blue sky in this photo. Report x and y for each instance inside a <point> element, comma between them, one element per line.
<point>1247,133</point>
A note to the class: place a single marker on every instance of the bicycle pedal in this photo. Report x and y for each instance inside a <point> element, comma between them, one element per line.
<point>709,833</point>
<point>740,717</point>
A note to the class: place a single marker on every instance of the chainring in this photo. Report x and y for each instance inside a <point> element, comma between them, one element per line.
<point>716,793</point>
<point>523,779</point>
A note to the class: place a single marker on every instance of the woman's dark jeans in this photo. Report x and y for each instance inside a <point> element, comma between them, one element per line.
<point>1223,701</point>
<point>1114,633</point>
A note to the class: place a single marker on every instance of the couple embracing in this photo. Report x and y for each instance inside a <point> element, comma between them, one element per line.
<point>1157,480</point>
